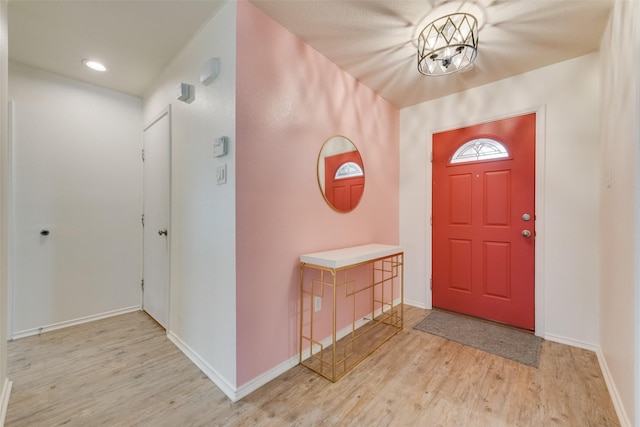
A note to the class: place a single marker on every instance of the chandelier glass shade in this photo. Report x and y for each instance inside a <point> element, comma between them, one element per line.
<point>448,44</point>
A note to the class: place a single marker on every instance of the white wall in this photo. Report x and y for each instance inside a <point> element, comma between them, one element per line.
<point>77,172</point>
<point>567,187</point>
<point>202,320</point>
<point>619,210</point>
<point>4,182</point>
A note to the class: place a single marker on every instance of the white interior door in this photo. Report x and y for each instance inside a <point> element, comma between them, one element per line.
<point>157,164</point>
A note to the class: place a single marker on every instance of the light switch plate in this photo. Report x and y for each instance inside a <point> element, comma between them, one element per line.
<point>222,174</point>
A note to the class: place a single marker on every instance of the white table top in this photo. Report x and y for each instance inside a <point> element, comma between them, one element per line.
<point>349,256</point>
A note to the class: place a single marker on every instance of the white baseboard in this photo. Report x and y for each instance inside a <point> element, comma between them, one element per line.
<point>261,380</point>
<point>227,388</point>
<point>4,400</point>
<point>572,342</point>
<point>235,394</point>
<point>613,391</point>
<point>73,322</point>
<point>417,304</point>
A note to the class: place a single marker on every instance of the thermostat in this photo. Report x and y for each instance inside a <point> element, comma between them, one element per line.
<point>220,146</point>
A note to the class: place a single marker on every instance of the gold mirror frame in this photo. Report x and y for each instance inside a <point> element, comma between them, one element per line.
<point>341,158</point>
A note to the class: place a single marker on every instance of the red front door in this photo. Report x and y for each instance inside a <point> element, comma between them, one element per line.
<point>484,222</point>
<point>343,193</point>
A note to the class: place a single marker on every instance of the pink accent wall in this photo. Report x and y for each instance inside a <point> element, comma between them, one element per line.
<point>290,99</point>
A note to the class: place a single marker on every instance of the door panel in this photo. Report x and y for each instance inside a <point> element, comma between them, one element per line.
<point>460,199</point>
<point>497,201</point>
<point>482,264</point>
<point>157,143</point>
<point>497,268</point>
<point>460,271</point>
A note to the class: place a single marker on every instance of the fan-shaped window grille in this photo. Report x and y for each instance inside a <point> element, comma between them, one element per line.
<point>479,149</point>
<point>349,170</point>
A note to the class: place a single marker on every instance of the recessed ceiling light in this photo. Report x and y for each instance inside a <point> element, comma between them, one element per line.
<point>94,65</point>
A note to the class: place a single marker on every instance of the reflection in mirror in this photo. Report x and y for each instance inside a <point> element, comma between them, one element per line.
<point>340,174</point>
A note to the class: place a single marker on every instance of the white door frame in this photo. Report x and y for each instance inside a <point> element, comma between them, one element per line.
<point>539,203</point>
<point>10,217</point>
<point>164,112</point>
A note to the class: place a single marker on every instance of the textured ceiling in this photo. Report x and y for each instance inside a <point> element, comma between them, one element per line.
<point>373,40</point>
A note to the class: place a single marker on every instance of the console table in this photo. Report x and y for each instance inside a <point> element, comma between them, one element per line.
<point>351,302</point>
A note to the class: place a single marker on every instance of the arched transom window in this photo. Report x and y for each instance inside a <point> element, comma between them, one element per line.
<point>349,170</point>
<point>479,149</point>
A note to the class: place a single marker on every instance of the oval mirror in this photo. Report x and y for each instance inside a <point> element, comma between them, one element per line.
<point>340,173</point>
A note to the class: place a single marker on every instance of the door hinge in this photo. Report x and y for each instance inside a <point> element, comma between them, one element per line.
<point>143,220</point>
<point>431,220</point>
<point>142,284</point>
<point>431,283</point>
<point>143,154</point>
<point>431,156</point>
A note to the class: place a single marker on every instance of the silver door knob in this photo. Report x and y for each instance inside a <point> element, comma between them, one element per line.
<point>526,233</point>
<point>161,232</point>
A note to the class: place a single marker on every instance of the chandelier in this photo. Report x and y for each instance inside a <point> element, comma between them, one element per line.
<point>448,44</point>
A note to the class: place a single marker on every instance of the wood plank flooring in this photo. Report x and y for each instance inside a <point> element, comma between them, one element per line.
<point>123,371</point>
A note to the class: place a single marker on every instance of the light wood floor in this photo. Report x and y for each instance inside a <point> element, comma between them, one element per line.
<point>123,371</point>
